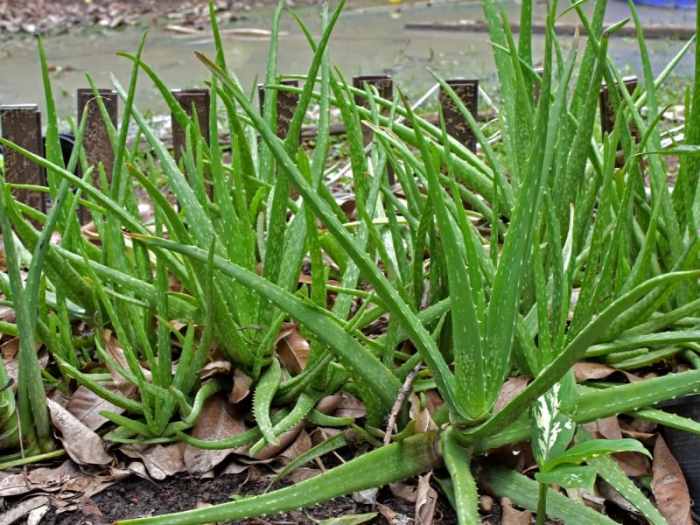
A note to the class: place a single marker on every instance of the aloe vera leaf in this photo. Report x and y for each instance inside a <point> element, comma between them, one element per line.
<point>239,440</point>
<point>610,471</point>
<point>305,403</point>
<point>383,287</point>
<point>385,465</point>
<point>31,397</point>
<point>470,359</point>
<point>647,359</point>
<point>573,353</point>
<point>262,399</point>
<point>523,491</point>
<point>53,145</point>
<point>503,309</point>
<point>457,460</point>
<point>643,340</point>
<point>596,404</point>
<point>356,357</point>
<point>591,449</point>
<point>119,176</point>
<point>669,420</point>
<point>324,447</point>
<point>9,435</point>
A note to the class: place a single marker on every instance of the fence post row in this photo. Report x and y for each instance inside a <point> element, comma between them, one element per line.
<point>21,124</point>
<point>287,103</point>
<point>384,85</point>
<point>190,100</point>
<point>455,123</point>
<point>96,143</point>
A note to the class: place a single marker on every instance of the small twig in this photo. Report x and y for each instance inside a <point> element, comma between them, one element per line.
<point>400,399</point>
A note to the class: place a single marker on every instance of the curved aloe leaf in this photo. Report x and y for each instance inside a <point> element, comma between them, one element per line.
<point>385,465</point>
<point>363,363</point>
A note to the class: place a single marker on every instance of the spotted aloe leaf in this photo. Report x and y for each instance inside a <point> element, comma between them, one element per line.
<point>569,477</point>
<point>553,428</point>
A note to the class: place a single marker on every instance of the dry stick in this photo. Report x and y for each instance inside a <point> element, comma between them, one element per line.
<point>398,404</point>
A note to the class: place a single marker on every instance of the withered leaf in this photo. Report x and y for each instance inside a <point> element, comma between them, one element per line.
<point>669,486</point>
<point>214,423</point>
<point>83,445</point>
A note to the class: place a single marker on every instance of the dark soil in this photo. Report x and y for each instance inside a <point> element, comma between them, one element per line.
<point>136,497</point>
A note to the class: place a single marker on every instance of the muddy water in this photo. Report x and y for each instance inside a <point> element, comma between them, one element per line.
<point>368,40</point>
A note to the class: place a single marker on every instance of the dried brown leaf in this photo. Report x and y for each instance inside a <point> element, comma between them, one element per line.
<point>293,349</point>
<point>83,445</point>
<point>286,439</point>
<point>585,371</point>
<point>404,491</point>
<point>350,406</point>
<point>86,406</point>
<point>511,388</point>
<point>160,461</point>
<point>669,486</point>
<point>426,500</point>
<point>241,386</point>
<point>300,445</point>
<point>512,516</point>
<point>633,464</point>
<point>213,368</point>
<point>608,428</point>
<point>214,423</point>
<point>22,509</point>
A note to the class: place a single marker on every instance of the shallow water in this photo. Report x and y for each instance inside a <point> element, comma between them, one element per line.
<point>368,40</point>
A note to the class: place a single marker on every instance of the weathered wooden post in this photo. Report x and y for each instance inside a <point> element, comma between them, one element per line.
<point>384,85</point>
<point>21,124</point>
<point>191,100</point>
<point>608,115</point>
<point>455,123</point>
<point>97,146</point>
<point>287,103</point>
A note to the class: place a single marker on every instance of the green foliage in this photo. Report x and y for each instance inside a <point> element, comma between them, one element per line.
<point>526,258</point>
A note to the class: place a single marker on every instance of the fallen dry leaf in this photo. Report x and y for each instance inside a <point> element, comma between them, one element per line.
<point>512,516</point>
<point>22,509</point>
<point>160,461</point>
<point>426,499</point>
<point>293,349</point>
<point>241,386</point>
<point>390,515</point>
<point>214,423</point>
<point>215,368</point>
<point>284,440</point>
<point>404,491</point>
<point>86,406</point>
<point>83,445</point>
<point>65,478</point>
<point>634,464</point>
<point>586,371</point>
<point>609,493</point>
<point>608,428</point>
<point>511,388</point>
<point>350,406</point>
<point>300,445</point>
<point>669,486</point>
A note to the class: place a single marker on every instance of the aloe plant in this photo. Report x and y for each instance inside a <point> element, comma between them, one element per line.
<point>562,219</point>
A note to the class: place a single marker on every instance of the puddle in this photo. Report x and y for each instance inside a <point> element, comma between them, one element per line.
<point>367,40</point>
